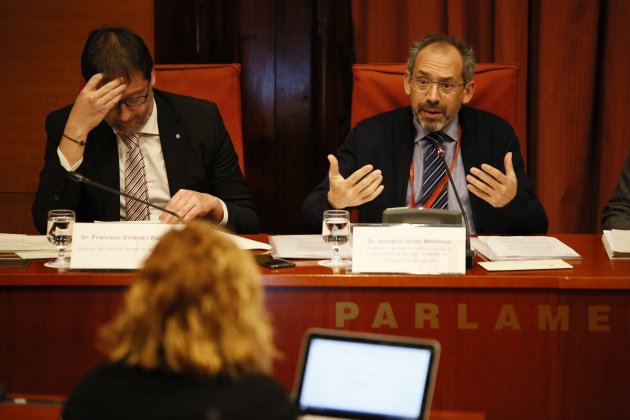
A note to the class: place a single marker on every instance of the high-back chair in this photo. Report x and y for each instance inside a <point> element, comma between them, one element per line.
<point>379,87</point>
<point>219,83</point>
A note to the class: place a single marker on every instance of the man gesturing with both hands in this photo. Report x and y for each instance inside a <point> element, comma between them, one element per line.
<point>386,160</point>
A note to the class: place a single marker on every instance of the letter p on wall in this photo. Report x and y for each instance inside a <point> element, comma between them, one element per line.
<point>345,311</point>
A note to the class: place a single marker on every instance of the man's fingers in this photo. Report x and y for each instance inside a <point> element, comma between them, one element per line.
<point>93,82</point>
<point>480,175</point>
<point>369,183</point>
<point>509,167</point>
<point>111,98</point>
<point>479,185</point>
<point>359,174</point>
<point>333,171</point>
<point>372,195</point>
<point>490,173</point>
<point>376,193</point>
<point>483,195</point>
<point>354,190</point>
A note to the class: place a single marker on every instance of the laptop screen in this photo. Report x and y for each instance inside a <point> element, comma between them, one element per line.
<point>355,375</point>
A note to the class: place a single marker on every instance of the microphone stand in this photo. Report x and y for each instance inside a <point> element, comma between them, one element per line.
<point>470,253</point>
<point>77,177</point>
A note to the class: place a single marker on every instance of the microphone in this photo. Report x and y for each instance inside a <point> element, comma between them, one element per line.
<point>470,253</point>
<point>77,177</point>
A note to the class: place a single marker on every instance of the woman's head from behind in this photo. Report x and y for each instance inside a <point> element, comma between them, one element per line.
<point>195,307</point>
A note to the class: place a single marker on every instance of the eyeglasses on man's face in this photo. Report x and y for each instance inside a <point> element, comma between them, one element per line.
<point>135,101</point>
<point>422,84</point>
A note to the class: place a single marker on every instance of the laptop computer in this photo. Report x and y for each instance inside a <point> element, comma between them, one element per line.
<point>343,374</point>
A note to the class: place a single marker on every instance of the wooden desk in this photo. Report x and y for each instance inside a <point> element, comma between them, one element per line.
<point>543,344</point>
<point>31,407</point>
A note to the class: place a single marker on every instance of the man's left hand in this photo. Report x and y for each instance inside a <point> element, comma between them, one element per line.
<point>192,204</point>
<point>492,185</point>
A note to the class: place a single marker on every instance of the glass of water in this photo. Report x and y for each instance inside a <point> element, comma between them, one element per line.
<point>59,233</point>
<point>336,231</point>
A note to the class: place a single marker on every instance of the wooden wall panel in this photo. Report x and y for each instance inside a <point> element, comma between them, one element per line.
<point>296,82</point>
<point>41,43</point>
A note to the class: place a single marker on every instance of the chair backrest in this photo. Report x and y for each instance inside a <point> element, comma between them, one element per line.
<point>219,83</point>
<point>379,88</point>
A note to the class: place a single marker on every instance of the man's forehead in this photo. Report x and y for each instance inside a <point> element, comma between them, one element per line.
<point>129,78</point>
<point>440,60</point>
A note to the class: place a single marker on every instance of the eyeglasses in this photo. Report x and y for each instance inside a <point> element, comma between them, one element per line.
<point>135,101</point>
<point>422,84</point>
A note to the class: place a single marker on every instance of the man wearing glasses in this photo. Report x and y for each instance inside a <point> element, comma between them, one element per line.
<point>170,150</point>
<point>390,160</point>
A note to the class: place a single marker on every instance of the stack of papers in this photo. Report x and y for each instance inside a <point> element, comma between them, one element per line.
<point>510,248</point>
<point>305,246</point>
<point>27,246</point>
<point>617,243</point>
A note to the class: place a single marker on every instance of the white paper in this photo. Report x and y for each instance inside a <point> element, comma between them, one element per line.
<point>505,248</point>
<point>245,243</point>
<point>620,240</point>
<point>409,249</point>
<point>10,242</point>
<point>306,247</point>
<point>41,255</point>
<point>553,264</point>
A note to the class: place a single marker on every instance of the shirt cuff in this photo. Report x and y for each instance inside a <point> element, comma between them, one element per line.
<point>225,214</point>
<point>65,164</point>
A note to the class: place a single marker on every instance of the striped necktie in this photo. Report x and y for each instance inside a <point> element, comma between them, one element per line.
<point>434,172</point>
<point>135,179</point>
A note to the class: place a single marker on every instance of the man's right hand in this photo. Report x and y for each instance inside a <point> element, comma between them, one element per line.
<point>92,104</point>
<point>89,109</point>
<point>362,186</point>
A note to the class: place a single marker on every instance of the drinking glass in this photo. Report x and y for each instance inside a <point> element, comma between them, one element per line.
<point>336,231</point>
<point>59,233</point>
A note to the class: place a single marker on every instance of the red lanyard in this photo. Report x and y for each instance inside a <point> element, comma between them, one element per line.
<point>436,193</point>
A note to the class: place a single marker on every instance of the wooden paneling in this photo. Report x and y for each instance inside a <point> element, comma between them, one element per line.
<point>15,213</point>
<point>296,62</point>
<point>41,43</point>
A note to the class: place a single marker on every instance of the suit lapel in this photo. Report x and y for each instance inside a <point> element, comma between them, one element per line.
<point>173,141</point>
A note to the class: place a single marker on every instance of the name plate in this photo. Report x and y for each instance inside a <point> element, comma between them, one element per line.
<point>121,246</point>
<point>409,249</point>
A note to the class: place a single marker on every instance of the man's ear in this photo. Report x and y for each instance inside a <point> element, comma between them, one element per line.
<point>407,82</point>
<point>153,78</point>
<point>469,90</point>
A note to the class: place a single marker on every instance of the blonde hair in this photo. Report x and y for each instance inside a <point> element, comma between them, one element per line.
<point>195,307</point>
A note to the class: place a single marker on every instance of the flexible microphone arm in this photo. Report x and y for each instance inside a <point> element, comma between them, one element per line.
<point>470,253</point>
<point>77,177</point>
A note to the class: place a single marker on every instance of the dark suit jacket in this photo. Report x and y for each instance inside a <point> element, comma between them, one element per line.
<point>198,155</point>
<point>616,212</point>
<point>386,141</point>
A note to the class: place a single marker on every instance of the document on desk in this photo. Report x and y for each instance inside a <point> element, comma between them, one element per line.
<point>305,247</point>
<point>617,243</point>
<point>245,243</point>
<point>522,265</point>
<point>509,248</point>
<point>10,242</point>
<point>28,247</point>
